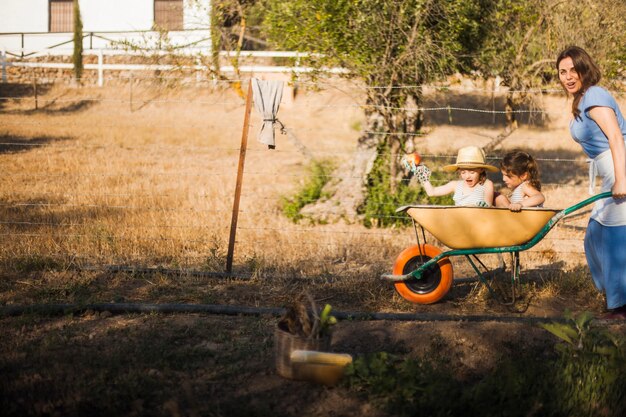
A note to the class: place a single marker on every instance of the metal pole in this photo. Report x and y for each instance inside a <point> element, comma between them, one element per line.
<point>242,160</point>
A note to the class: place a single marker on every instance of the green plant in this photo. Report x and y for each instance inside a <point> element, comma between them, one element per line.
<point>591,367</point>
<point>326,320</point>
<point>403,386</point>
<point>311,190</point>
<point>379,208</point>
<point>77,57</point>
<point>582,376</point>
<point>302,318</point>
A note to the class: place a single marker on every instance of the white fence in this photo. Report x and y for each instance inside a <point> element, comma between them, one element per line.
<point>23,45</point>
<point>101,67</point>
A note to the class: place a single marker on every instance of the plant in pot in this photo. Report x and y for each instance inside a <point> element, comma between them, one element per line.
<point>302,341</point>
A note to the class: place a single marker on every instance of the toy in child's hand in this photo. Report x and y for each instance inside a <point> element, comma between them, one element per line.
<point>422,173</point>
<point>414,157</point>
<point>411,161</point>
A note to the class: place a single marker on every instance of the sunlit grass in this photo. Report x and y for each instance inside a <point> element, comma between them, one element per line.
<point>152,186</point>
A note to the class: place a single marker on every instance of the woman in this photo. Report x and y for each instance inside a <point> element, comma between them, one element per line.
<point>599,127</point>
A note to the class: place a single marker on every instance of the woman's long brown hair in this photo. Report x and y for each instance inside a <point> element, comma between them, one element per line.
<point>587,70</point>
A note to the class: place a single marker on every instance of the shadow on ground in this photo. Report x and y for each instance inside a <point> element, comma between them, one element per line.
<point>31,95</point>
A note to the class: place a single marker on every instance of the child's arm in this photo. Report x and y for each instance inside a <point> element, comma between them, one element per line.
<point>488,192</point>
<point>502,201</point>
<point>422,173</point>
<point>438,191</point>
<point>533,198</point>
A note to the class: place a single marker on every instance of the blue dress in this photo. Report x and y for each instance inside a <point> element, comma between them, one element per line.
<point>605,239</point>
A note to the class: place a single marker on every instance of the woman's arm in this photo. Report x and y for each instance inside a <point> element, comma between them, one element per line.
<point>438,191</point>
<point>606,119</point>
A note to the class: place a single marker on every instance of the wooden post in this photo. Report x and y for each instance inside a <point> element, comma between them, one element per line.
<point>130,92</point>
<point>3,63</point>
<point>35,93</point>
<point>242,160</point>
<point>100,68</point>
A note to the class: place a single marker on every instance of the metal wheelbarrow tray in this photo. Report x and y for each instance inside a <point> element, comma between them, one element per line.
<point>423,274</point>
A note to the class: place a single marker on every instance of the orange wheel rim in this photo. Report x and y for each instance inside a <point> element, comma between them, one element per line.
<point>430,295</point>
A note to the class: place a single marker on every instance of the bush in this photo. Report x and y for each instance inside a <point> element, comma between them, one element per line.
<point>379,208</point>
<point>591,368</point>
<point>311,190</point>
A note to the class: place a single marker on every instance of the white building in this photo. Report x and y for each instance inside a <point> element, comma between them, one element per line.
<point>46,26</point>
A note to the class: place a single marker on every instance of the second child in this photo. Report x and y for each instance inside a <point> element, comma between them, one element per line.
<point>520,174</point>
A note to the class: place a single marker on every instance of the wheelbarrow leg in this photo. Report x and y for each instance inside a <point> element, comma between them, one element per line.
<point>515,275</point>
<point>481,277</point>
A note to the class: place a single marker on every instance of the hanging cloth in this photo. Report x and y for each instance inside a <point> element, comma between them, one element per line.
<point>267,95</point>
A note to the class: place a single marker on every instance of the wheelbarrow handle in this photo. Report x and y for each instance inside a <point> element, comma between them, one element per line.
<point>586,202</point>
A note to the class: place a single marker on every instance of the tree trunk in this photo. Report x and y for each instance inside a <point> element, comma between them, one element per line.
<point>348,187</point>
<point>348,190</point>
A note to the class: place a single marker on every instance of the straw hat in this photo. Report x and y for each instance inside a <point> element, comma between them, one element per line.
<point>470,157</point>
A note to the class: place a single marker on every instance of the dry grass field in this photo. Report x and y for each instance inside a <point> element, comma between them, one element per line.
<point>125,195</point>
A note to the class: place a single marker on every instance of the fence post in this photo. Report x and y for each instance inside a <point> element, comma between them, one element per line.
<point>35,93</point>
<point>3,61</point>
<point>242,160</point>
<point>100,68</point>
<point>130,91</point>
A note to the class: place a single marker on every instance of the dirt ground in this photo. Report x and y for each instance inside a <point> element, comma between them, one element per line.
<point>209,365</point>
<point>89,360</point>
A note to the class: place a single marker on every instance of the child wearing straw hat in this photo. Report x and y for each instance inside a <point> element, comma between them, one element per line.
<point>472,189</point>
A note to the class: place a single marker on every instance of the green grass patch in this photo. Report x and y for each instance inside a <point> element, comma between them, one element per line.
<point>310,192</point>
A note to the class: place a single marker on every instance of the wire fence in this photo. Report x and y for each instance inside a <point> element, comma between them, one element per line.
<point>108,185</point>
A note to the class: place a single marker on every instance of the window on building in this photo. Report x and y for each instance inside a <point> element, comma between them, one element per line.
<point>168,14</point>
<point>61,15</point>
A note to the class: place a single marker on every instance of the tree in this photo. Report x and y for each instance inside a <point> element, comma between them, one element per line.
<point>390,45</point>
<point>523,38</point>
<point>77,57</point>
<point>229,26</point>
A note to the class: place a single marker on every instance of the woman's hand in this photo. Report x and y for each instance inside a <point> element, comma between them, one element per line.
<point>619,189</point>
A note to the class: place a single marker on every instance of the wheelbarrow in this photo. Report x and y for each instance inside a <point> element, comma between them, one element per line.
<point>423,273</point>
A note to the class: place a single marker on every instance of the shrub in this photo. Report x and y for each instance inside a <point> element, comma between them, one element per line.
<point>311,191</point>
<point>379,208</point>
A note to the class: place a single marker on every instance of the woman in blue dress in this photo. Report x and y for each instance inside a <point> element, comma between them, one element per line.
<point>599,127</point>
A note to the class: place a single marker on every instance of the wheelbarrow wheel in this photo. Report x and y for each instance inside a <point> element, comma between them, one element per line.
<point>434,283</point>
